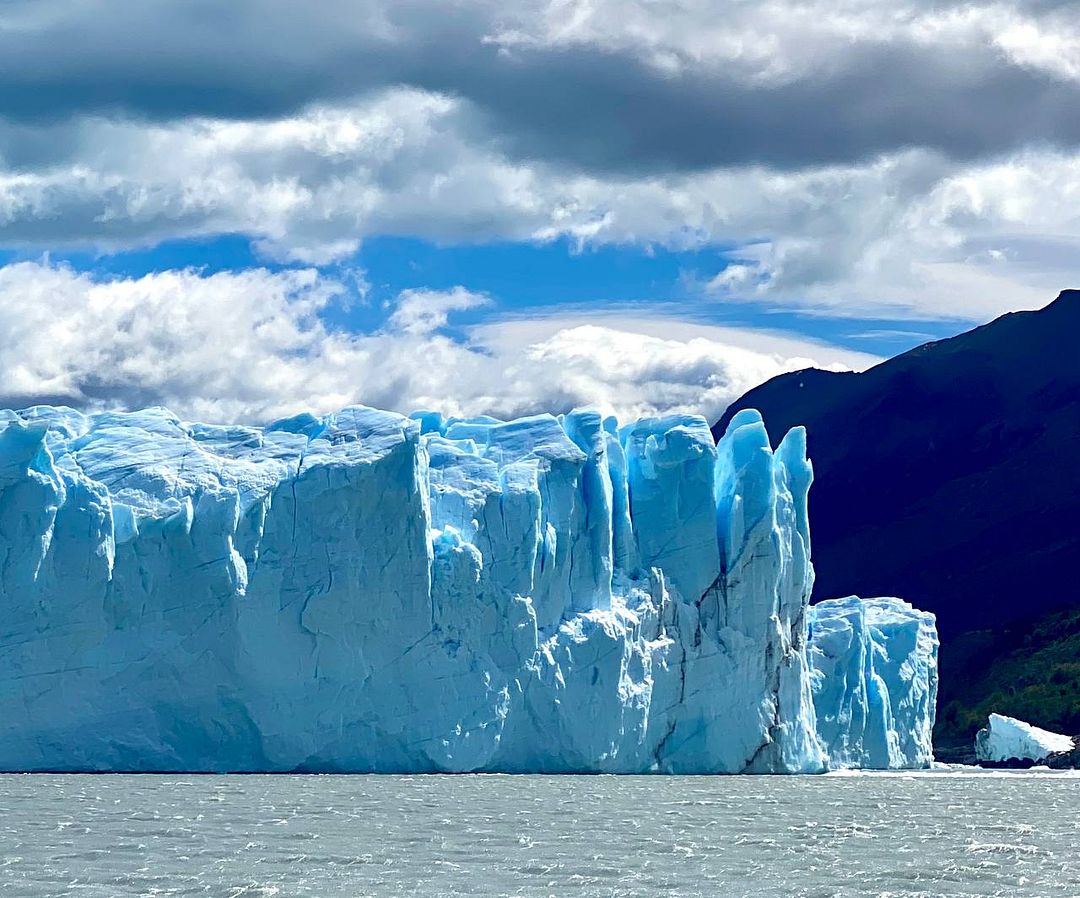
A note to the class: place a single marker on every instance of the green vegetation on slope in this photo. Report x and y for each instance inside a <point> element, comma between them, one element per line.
<point>1030,671</point>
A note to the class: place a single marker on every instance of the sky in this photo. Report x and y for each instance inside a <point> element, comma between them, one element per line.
<point>250,209</point>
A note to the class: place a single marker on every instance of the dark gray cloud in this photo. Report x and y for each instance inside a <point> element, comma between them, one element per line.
<point>903,156</point>
<point>614,113</point>
<point>598,108</point>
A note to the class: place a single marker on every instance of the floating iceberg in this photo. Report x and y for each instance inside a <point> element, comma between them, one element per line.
<point>1006,739</point>
<point>874,675</point>
<point>369,592</point>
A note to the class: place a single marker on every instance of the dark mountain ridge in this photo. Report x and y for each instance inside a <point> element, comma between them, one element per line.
<point>949,476</point>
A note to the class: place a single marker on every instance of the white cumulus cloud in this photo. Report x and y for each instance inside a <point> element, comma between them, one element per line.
<point>253,345</point>
<point>420,311</point>
<point>906,235</point>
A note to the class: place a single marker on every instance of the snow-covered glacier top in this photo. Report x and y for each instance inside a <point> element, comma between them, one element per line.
<point>369,591</point>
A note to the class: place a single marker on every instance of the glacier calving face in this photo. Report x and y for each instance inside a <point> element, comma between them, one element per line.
<point>874,673</point>
<point>369,592</point>
<point>1006,738</point>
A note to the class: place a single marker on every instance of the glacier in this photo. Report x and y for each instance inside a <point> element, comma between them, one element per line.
<point>371,592</point>
<point>1006,739</point>
<point>874,677</point>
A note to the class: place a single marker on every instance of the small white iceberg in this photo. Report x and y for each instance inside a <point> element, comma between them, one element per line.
<point>1006,738</point>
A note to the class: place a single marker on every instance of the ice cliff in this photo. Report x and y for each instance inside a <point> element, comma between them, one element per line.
<point>875,679</point>
<point>369,592</point>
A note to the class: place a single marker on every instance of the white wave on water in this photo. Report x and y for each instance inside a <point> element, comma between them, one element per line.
<point>956,770</point>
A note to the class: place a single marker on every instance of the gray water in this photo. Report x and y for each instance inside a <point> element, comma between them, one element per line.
<point>231,836</point>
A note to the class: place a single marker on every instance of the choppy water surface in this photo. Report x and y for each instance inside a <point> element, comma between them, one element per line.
<point>231,836</point>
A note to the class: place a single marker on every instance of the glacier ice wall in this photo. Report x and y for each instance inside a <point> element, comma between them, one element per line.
<point>874,675</point>
<point>369,592</point>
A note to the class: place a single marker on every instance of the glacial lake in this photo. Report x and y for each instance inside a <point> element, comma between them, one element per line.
<point>928,834</point>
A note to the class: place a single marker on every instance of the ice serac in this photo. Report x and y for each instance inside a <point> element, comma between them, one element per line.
<point>364,591</point>
<point>1006,739</point>
<point>874,672</point>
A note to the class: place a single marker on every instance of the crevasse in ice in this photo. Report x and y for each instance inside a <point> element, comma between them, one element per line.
<point>368,592</point>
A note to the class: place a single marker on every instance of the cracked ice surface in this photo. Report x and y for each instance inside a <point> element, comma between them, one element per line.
<point>369,592</point>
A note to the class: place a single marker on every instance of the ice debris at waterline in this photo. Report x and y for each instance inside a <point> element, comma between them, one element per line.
<point>369,592</point>
<point>874,673</point>
<point>1006,739</point>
